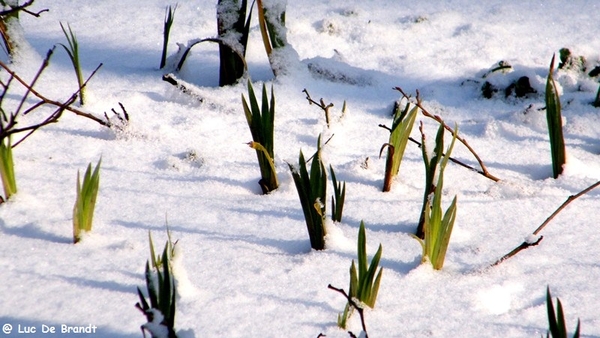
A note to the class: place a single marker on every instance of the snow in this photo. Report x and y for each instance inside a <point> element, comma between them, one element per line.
<point>243,263</point>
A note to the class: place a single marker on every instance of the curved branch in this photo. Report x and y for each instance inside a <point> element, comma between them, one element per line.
<point>437,118</point>
<point>215,40</point>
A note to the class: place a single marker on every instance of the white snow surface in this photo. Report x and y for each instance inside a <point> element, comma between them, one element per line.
<point>245,263</point>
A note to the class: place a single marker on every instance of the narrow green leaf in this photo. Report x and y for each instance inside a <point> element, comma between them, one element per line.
<point>554,118</point>
<point>552,323</point>
<point>7,168</point>
<point>362,252</point>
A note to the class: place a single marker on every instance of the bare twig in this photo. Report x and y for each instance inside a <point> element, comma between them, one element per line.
<point>320,104</point>
<point>170,78</point>
<point>23,7</point>
<point>526,244</point>
<point>437,118</point>
<point>31,90</point>
<point>356,306</point>
<point>320,147</point>
<point>451,158</point>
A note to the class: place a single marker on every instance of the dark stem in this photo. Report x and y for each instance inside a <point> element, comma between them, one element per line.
<point>53,102</point>
<point>526,245</point>
<point>320,104</point>
<point>356,306</point>
<point>437,118</point>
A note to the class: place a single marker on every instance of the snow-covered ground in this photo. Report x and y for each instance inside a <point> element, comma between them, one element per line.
<point>246,267</point>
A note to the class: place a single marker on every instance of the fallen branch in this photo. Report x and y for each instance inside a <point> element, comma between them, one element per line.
<point>170,78</point>
<point>437,118</point>
<point>356,306</point>
<point>528,244</point>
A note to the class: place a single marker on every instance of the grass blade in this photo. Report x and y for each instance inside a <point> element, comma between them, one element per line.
<point>7,168</point>
<point>554,117</point>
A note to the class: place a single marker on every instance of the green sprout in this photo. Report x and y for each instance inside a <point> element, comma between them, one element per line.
<point>83,212</point>
<point>312,191</point>
<point>73,52</point>
<point>161,289</point>
<point>364,285</point>
<point>169,18</point>
<point>553,115</point>
<point>556,320</point>
<point>261,122</point>
<point>7,168</point>
<point>337,200</point>
<point>437,227</point>
<point>399,133</point>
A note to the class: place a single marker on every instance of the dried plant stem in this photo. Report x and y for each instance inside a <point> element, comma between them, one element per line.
<point>460,163</point>
<point>356,306</point>
<point>45,100</point>
<point>437,118</point>
<point>320,104</point>
<point>526,244</point>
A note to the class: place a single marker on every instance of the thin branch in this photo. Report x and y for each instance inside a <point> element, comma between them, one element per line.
<point>320,104</point>
<point>53,102</point>
<point>526,245</point>
<point>451,158</point>
<point>437,118</point>
<point>170,78</point>
<point>21,8</point>
<point>320,147</point>
<point>356,306</point>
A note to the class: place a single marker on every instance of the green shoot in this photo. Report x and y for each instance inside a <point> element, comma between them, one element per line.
<point>312,191</point>
<point>556,320</point>
<point>73,52</point>
<point>401,127</point>
<point>437,227</point>
<point>364,285</point>
<point>553,115</point>
<point>169,18</point>
<point>337,200</point>
<point>7,168</point>
<point>83,212</point>
<point>161,289</point>
<point>261,122</point>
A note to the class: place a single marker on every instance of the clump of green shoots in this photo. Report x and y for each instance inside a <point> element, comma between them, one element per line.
<point>364,285</point>
<point>402,125</point>
<point>83,211</point>
<point>169,18</point>
<point>437,227</point>
<point>261,121</point>
<point>338,198</point>
<point>73,52</point>
<point>7,168</point>
<point>556,320</point>
<point>161,289</point>
<point>554,117</point>
<point>312,191</point>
